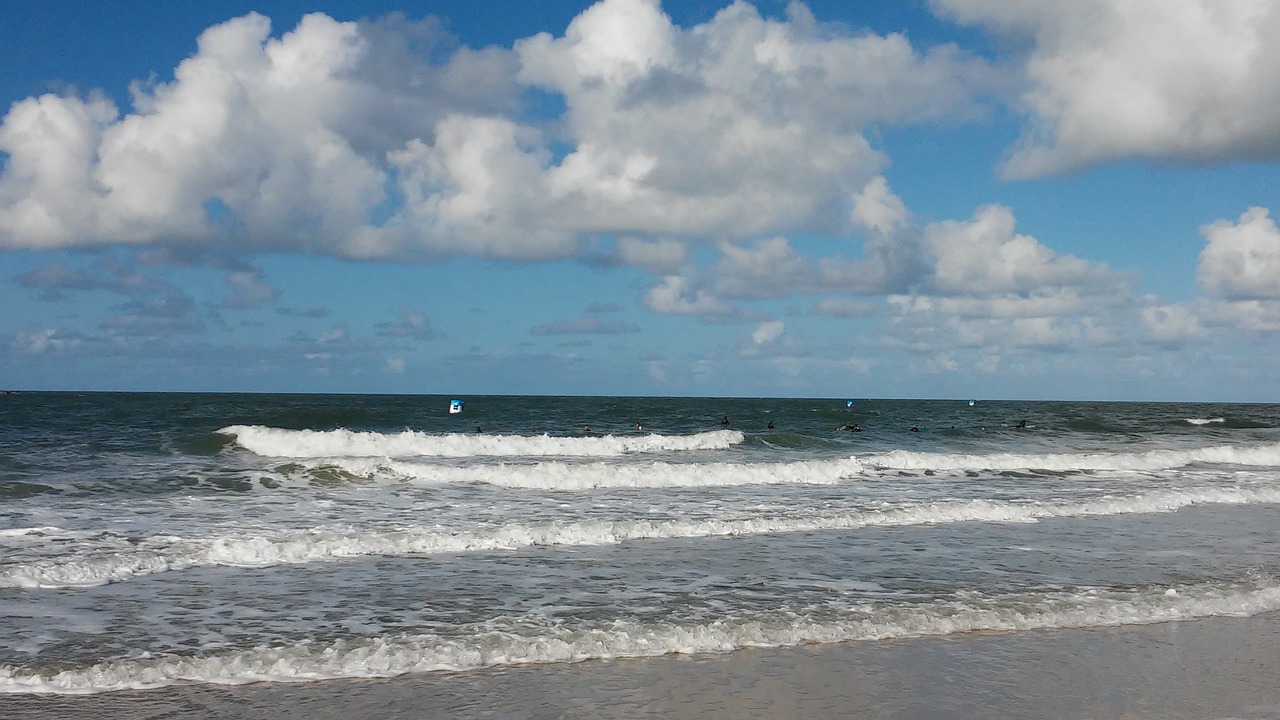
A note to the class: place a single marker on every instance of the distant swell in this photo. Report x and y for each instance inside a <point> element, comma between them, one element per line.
<point>520,640</point>
<point>321,546</point>
<point>277,442</point>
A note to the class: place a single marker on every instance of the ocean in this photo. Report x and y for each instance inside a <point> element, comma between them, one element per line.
<point>164,540</point>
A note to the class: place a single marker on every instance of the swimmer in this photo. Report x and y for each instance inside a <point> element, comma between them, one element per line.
<point>638,429</point>
<point>478,429</point>
<point>770,424</point>
<point>586,429</point>
<point>1021,424</point>
<point>724,420</point>
<point>851,428</point>
<point>915,428</point>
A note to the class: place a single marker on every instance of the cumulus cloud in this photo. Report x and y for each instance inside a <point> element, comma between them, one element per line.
<point>1170,325</point>
<point>768,332</point>
<point>739,126</point>
<point>271,142</point>
<point>1241,260</point>
<point>1185,80</point>
<point>985,256</point>
<point>349,139</point>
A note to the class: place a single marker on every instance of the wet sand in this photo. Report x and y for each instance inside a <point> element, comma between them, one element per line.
<point>1215,668</point>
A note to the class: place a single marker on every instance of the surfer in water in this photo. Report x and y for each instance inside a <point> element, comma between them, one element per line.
<point>851,428</point>
<point>770,424</point>
<point>915,428</point>
<point>724,420</point>
<point>1022,424</point>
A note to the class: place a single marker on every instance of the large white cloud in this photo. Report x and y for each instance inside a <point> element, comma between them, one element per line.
<point>986,256</point>
<point>344,138</point>
<point>740,126</point>
<point>273,143</point>
<point>1191,80</point>
<point>1241,260</point>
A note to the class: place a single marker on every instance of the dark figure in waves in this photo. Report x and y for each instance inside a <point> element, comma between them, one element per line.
<point>724,420</point>
<point>1022,424</point>
<point>915,428</point>
<point>851,428</point>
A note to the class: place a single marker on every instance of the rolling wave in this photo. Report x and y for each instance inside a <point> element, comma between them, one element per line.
<point>170,553</point>
<point>277,442</point>
<point>524,640</point>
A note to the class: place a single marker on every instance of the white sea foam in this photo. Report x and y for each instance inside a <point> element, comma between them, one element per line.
<point>1256,455</point>
<point>512,641</point>
<point>1205,421</point>
<point>321,546</point>
<point>554,475</point>
<point>24,531</point>
<point>277,442</point>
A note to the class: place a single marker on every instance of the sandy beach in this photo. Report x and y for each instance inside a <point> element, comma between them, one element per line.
<point>1214,668</point>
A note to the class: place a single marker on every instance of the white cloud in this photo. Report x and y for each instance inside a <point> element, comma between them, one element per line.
<point>676,295</point>
<point>739,126</point>
<point>343,139</point>
<point>1170,325</point>
<point>876,207</point>
<point>986,256</point>
<point>1241,260</point>
<point>768,332</point>
<point>1190,80</point>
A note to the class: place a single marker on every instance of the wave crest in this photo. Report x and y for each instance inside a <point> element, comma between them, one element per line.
<point>279,442</point>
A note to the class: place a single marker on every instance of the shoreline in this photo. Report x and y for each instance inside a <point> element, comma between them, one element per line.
<point>1209,668</point>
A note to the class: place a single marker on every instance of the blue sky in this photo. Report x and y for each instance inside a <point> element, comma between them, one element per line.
<point>944,198</point>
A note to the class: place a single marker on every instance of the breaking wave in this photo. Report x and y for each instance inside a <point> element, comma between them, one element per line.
<point>277,442</point>
<point>93,569</point>
<point>525,640</point>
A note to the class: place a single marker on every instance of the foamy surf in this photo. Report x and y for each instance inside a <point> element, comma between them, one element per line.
<point>94,569</point>
<point>528,639</point>
<point>278,442</point>
<point>1252,456</point>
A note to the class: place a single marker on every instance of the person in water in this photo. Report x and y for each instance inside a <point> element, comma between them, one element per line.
<point>851,428</point>
<point>638,429</point>
<point>770,424</point>
<point>478,429</point>
<point>586,429</point>
<point>724,420</point>
<point>1021,424</point>
<point>915,428</point>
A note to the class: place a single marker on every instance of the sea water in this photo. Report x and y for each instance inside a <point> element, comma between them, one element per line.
<point>148,540</point>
